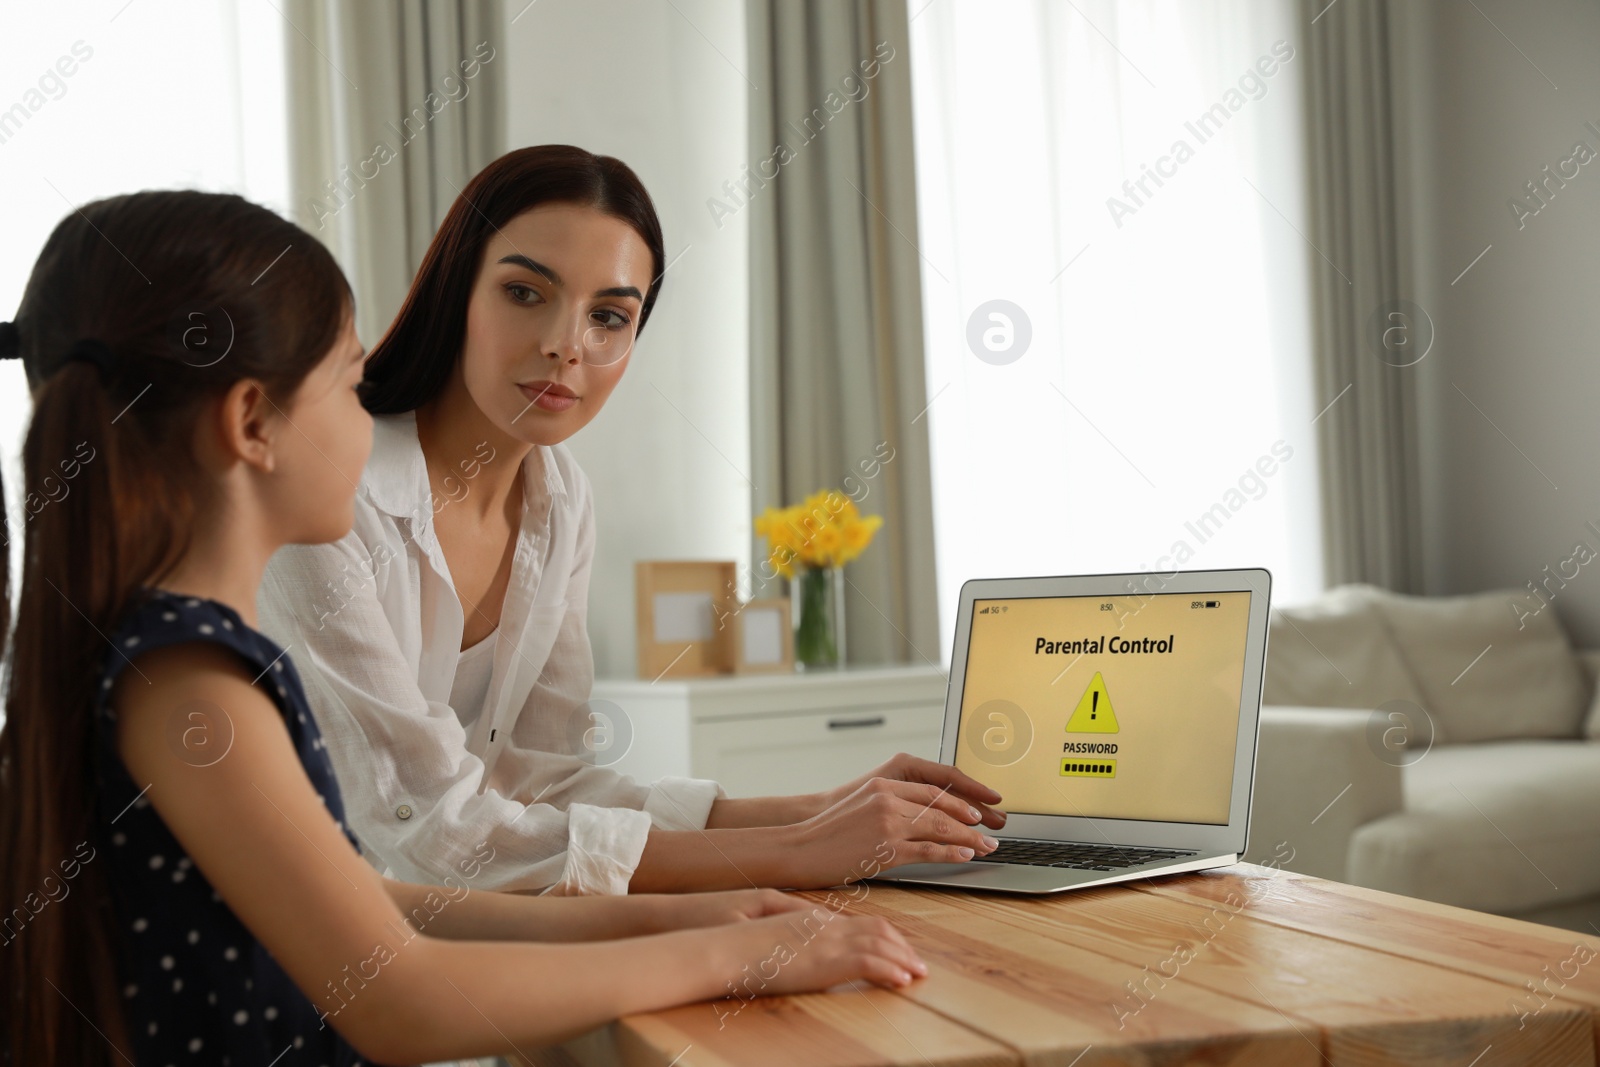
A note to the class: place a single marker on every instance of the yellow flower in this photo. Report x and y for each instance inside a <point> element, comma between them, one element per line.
<point>828,543</point>
<point>824,530</point>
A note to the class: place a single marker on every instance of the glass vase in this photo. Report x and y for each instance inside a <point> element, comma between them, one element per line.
<point>819,633</point>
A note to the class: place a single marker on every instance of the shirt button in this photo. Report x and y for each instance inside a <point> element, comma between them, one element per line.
<point>403,811</point>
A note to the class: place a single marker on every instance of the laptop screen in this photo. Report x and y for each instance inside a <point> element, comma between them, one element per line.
<point>1110,707</point>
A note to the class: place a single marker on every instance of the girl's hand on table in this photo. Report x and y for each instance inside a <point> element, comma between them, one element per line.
<point>815,949</point>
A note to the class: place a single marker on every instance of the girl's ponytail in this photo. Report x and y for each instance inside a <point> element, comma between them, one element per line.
<point>10,348</point>
<point>60,961</point>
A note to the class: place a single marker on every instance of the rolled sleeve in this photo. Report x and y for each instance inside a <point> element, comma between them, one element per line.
<point>682,803</point>
<point>603,849</point>
<point>604,844</point>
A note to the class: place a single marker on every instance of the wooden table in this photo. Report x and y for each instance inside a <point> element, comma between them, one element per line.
<point>1245,965</point>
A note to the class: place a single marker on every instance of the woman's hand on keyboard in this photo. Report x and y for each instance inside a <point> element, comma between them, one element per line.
<point>918,771</point>
<point>882,823</point>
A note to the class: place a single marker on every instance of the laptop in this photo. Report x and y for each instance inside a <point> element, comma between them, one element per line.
<point>1116,715</point>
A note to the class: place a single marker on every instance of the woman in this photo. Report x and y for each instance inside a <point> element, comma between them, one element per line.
<point>179,886</point>
<point>443,641</point>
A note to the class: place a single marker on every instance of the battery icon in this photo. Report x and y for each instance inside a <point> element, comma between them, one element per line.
<point>1213,603</point>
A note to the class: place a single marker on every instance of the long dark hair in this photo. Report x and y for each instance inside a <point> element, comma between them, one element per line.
<point>412,362</point>
<point>178,295</point>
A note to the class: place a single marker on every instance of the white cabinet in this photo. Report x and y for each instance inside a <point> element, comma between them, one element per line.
<point>769,734</point>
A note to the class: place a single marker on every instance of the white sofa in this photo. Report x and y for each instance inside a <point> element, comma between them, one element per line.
<point>1501,813</point>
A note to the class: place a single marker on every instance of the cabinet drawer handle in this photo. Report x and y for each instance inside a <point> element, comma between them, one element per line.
<point>851,724</point>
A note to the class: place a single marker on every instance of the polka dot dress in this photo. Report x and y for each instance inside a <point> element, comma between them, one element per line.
<point>197,987</point>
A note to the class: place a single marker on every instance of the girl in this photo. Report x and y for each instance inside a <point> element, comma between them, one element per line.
<point>179,882</point>
<point>443,641</point>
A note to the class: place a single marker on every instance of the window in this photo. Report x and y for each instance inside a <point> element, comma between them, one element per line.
<point>1115,289</point>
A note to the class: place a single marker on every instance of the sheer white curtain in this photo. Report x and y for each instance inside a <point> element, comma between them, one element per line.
<point>1161,411</point>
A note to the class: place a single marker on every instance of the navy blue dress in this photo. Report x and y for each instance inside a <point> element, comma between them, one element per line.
<point>197,986</point>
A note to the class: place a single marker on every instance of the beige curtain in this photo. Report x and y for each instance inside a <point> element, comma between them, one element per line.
<point>1363,322</point>
<point>836,361</point>
<point>393,107</point>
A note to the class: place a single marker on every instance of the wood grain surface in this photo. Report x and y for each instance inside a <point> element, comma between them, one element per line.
<point>1241,966</point>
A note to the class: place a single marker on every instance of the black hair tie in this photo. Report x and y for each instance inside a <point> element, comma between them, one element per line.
<point>91,351</point>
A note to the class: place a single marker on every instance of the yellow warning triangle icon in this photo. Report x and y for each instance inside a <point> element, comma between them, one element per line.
<point>1094,714</point>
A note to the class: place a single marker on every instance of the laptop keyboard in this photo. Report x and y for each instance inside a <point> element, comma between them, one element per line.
<point>1077,855</point>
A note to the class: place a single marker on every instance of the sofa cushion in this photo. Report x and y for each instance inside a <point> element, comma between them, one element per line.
<point>1501,827</point>
<point>1317,779</point>
<point>1336,652</point>
<point>1484,675</point>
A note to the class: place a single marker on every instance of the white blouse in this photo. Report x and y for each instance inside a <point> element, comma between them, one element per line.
<point>469,690</point>
<point>373,624</point>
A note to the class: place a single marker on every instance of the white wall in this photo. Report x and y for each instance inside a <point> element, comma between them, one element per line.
<point>660,87</point>
<point>1508,490</point>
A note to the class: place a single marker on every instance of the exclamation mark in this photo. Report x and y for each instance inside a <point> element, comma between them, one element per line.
<point>1094,704</point>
